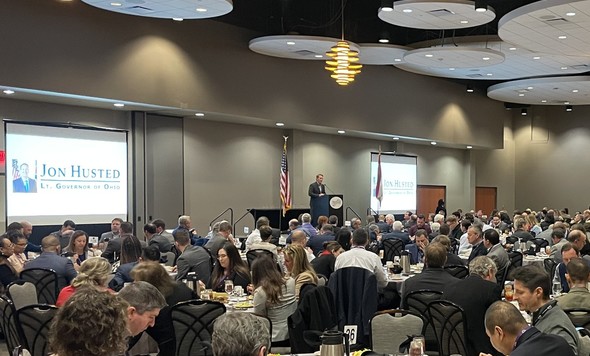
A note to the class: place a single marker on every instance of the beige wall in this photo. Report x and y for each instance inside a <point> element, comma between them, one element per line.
<point>206,65</point>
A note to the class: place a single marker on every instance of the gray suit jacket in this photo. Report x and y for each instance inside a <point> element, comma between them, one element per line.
<point>162,242</point>
<point>499,255</point>
<point>194,259</point>
<point>61,265</point>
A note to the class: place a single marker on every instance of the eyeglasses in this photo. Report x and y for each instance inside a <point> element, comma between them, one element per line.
<point>221,256</point>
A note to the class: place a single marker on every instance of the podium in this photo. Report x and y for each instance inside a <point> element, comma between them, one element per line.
<point>327,205</point>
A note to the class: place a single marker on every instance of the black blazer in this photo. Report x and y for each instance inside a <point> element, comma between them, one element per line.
<point>534,342</point>
<point>431,278</point>
<point>479,250</point>
<point>474,295</point>
<point>314,190</point>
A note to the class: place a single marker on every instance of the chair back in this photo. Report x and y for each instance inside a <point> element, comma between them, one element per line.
<point>22,293</point>
<point>45,281</point>
<point>392,248</point>
<point>389,329</point>
<point>170,258</point>
<point>251,255</point>
<point>34,322</point>
<point>417,301</point>
<point>322,280</point>
<point>550,266</point>
<point>8,324</point>
<point>541,243</point>
<point>580,317</point>
<point>450,327</point>
<point>501,276</point>
<point>512,240</point>
<point>193,325</point>
<point>457,271</point>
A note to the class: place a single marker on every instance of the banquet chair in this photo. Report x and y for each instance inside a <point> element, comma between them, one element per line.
<point>392,248</point>
<point>450,327</point>
<point>512,240</point>
<point>34,322</point>
<point>501,276</point>
<point>580,317</point>
<point>457,271</point>
<point>541,243</point>
<point>8,324</point>
<point>193,325</point>
<point>389,329</point>
<point>170,258</point>
<point>22,293</point>
<point>251,255</point>
<point>550,266</point>
<point>417,301</point>
<point>45,281</point>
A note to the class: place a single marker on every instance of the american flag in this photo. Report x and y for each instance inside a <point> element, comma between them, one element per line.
<point>285,185</point>
<point>379,186</point>
<point>15,171</point>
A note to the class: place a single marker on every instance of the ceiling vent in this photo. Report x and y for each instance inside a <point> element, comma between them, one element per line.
<point>305,53</point>
<point>139,10</point>
<point>441,12</point>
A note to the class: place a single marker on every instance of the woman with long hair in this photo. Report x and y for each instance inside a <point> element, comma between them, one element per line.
<point>174,292</point>
<point>299,268</point>
<point>274,296</point>
<point>130,249</point>
<point>229,267</point>
<point>78,246</point>
<point>93,272</point>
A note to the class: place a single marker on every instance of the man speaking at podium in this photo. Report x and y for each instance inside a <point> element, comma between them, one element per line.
<point>318,202</point>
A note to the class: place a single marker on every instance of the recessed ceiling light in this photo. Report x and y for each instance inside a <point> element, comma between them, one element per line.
<point>486,58</point>
<point>433,143</point>
<point>543,101</point>
<point>529,88</point>
<point>407,11</point>
<point>481,9</point>
<point>469,147</point>
<point>341,131</point>
<point>429,55</point>
<point>280,124</point>
<point>566,103</point>
<point>563,68</point>
<point>8,92</point>
<point>489,74</point>
<point>521,94</point>
<point>575,91</point>
<point>451,68</point>
<point>116,4</point>
<point>119,105</point>
<point>383,40</point>
<point>200,114</point>
<point>562,37</point>
<point>464,21</point>
<point>397,60</point>
<point>177,19</point>
<point>396,138</point>
<point>512,48</point>
<point>536,57</point>
<point>387,8</point>
<point>290,43</point>
<point>201,9</point>
<point>318,56</point>
<point>570,14</point>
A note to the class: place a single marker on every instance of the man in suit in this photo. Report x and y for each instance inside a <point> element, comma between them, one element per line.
<point>24,184</point>
<point>397,233</point>
<point>316,243</point>
<point>123,272</point>
<point>161,242</point>
<point>433,277</point>
<point>115,231</point>
<point>64,233</point>
<point>218,240</point>
<point>491,241</point>
<point>113,250</point>
<point>161,230</point>
<point>577,277</point>
<point>475,239</point>
<point>192,258</point>
<point>475,294</point>
<point>452,259</point>
<point>316,190</point>
<point>558,239</point>
<point>50,259</point>
<point>511,335</point>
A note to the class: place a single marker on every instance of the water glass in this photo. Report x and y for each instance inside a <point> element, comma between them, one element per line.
<point>556,288</point>
<point>229,286</point>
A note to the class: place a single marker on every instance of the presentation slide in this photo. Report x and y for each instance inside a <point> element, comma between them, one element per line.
<point>399,180</point>
<point>59,173</point>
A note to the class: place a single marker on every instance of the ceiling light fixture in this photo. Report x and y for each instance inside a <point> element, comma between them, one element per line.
<point>469,147</point>
<point>280,124</point>
<point>566,103</point>
<point>8,92</point>
<point>469,89</point>
<point>575,91</point>
<point>451,68</point>
<point>569,108</point>
<point>199,114</point>
<point>343,62</point>
<point>290,43</point>
<point>407,11</point>
<point>512,48</point>
<point>179,19</point>
<point>481,6</point>
<point>341,132</point>
<point>536,57</point>
<point>523,111</point>
<point>387,5</point>
<point>119,105</point>
<point>201,9</point>
<point>384,37</point>
<point>563,68</point>
<point>433,143</point>
<point>543,101</point>
<point>396,138</point>
<point>116,4</point>
<point>562,37</point>
<point>464,22</point>
<point>570,14</point>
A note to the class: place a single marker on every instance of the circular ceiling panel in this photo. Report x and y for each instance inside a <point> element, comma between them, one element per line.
<point>436,15</point>
<point>454,57</point>
<point>170,9</point>
<point>381,54</point>
<point>544,91</point>
<point>296,47</point>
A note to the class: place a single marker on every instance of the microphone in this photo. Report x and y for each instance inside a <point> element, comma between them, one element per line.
<point>328,188</point>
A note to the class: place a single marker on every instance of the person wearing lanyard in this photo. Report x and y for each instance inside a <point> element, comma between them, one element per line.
<point>510,334</point>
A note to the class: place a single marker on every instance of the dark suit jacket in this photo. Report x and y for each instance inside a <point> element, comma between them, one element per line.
<point>474,295</point>
<point>18,186</point>
<point>384,227</point>
<point>61,265</point>
<point>400,235</point>
<point>534,342</point>
<point>453,259</point>
<point>524,236</point>
<point>114,246</point>
<point>324,265</point>
<point>122,276</point>
<point>194,259</point>
<point>314,190</point>
<point>479,250</point>
<point>431,278</point>
<point>316,243</point>
<point>162,242</point>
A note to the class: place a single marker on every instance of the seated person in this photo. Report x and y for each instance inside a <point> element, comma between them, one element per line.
<point>265,234</point>
<point>238,334</point>
<point>123,272</point>
<point>577,276</point>
<point>230,267</point>
<point>50,259</point>
<point>299,268</point>
<point>93,272</point>
<point>77,249</point>
<point>7,272</point>
<point>274,297</point>
<point>324,263</point>
<point>452,259</point>
<point>316,243</point>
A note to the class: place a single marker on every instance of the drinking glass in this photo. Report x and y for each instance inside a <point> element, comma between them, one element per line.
<point>556,288</point>
<point>229,286</point>
<point>508,292</point>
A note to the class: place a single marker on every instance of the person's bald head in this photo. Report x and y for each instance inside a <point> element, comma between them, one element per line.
<point>503,323</point>
<point>50,244</point>
<point>298,237</point>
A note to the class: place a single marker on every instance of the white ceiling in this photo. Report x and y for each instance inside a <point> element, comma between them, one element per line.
<point>168,9</point>
<point>544,91</point>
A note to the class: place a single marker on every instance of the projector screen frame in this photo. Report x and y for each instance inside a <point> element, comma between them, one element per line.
<point>70,125</point>
<point>373,174</point>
